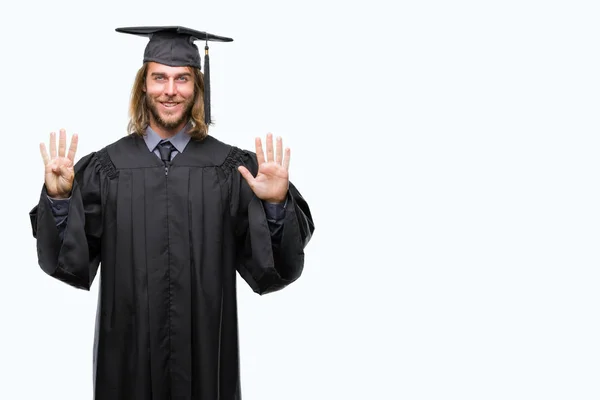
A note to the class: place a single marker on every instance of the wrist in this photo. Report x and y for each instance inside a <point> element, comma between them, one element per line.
<point>57,196</point>
<point>275,200</point>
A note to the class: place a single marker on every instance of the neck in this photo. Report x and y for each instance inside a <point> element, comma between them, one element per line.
<point>165,132</point>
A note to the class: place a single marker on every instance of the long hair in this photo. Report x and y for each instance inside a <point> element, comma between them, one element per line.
<point>139,114</point>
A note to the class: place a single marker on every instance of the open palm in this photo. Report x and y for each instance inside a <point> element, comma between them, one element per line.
<point>59,165</point>
<point>271,181</point>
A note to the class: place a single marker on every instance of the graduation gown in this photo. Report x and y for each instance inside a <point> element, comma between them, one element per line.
<point>169,245</point>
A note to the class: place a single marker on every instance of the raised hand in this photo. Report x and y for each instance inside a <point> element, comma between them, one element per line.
<point>59,172</point>
<point>271,181</point>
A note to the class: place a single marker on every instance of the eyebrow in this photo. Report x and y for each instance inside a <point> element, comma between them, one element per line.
<point>177,75</point>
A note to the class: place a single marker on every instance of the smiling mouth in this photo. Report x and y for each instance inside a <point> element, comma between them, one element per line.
<point>169,104</point>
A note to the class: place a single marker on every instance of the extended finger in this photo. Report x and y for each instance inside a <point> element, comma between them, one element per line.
<point>52,145</point>
<point>73,148</point>
<point>269,147</point>
<point>286,160</point>
<point>279,150</point>
<point>62,143</point>
<point>44,153</point>
<point>259,151</point>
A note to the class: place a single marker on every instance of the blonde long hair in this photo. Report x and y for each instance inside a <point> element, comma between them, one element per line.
<point>139,114</point>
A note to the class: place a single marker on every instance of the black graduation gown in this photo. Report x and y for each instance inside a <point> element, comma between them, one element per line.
<point>169,246</point>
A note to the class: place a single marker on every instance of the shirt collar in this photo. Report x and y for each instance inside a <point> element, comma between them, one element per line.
<point>179,140</point>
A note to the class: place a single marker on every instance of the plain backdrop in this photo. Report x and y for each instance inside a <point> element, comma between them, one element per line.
<point>448,151</point>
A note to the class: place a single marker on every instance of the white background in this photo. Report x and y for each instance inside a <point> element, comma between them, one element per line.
<point>448,151</point>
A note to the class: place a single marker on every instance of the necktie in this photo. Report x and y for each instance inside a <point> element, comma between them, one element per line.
<point>165,149</point>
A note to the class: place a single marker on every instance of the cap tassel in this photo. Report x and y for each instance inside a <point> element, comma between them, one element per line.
<point>207,118</point>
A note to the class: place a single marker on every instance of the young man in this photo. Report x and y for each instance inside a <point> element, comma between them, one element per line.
<point>171,214</point>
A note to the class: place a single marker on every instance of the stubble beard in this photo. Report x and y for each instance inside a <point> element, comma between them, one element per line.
<point>171,123</point>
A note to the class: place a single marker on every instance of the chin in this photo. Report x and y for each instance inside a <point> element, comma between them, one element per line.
<point>171,119</point>
<point>171,123</point>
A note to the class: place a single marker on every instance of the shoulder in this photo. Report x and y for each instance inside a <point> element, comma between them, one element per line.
<point>213,152</point>
<point>123,146</point>
<point>230,156</point>
<point>216,149</point>
<point>102,160</point>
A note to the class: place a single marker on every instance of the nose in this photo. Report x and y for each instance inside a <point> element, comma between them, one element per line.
<point>171,87</point>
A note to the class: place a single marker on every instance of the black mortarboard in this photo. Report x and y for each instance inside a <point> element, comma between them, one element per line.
<point>174,46</point>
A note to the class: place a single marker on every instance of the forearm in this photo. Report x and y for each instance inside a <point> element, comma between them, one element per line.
<point>65,253</point>
<point>296,230</point>
<point>275,213</point>
<point>60,211</point>
<point>271,268</point>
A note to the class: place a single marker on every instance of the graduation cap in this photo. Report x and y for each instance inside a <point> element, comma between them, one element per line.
<point>174,46</point>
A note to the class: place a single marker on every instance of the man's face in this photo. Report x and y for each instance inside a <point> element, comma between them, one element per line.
<point>169,95</point>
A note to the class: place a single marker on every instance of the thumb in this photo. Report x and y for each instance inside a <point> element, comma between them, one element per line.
<point>246,174</point>
<point>64,171</point>
<point>60,170</point>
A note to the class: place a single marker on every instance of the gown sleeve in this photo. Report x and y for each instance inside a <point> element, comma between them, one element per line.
<point>60,209</point>
<point>265,265</point>
<point>72,257</point>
